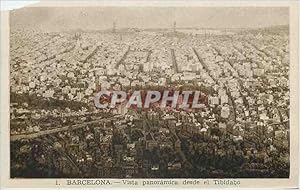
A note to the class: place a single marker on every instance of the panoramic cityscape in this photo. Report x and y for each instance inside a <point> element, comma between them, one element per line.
<point>240,129</point>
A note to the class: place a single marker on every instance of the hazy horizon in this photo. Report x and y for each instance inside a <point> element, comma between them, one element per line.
<point>101,18</point>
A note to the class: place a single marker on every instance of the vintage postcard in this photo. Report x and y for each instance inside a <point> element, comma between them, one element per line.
<point>150,94</point>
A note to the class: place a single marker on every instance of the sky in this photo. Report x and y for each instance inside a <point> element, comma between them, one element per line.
<point>97,18</point>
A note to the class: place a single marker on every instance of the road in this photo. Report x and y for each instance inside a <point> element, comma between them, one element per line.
<point>173,57</point>
<point>204,65</point>
<point>123,58</point>
<point>56,130</point>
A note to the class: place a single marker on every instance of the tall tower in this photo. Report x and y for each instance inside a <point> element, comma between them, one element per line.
<point>174,26</point>
<point>114,27</point>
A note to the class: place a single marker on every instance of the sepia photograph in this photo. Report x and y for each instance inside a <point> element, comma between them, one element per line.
<point>151,92</point>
